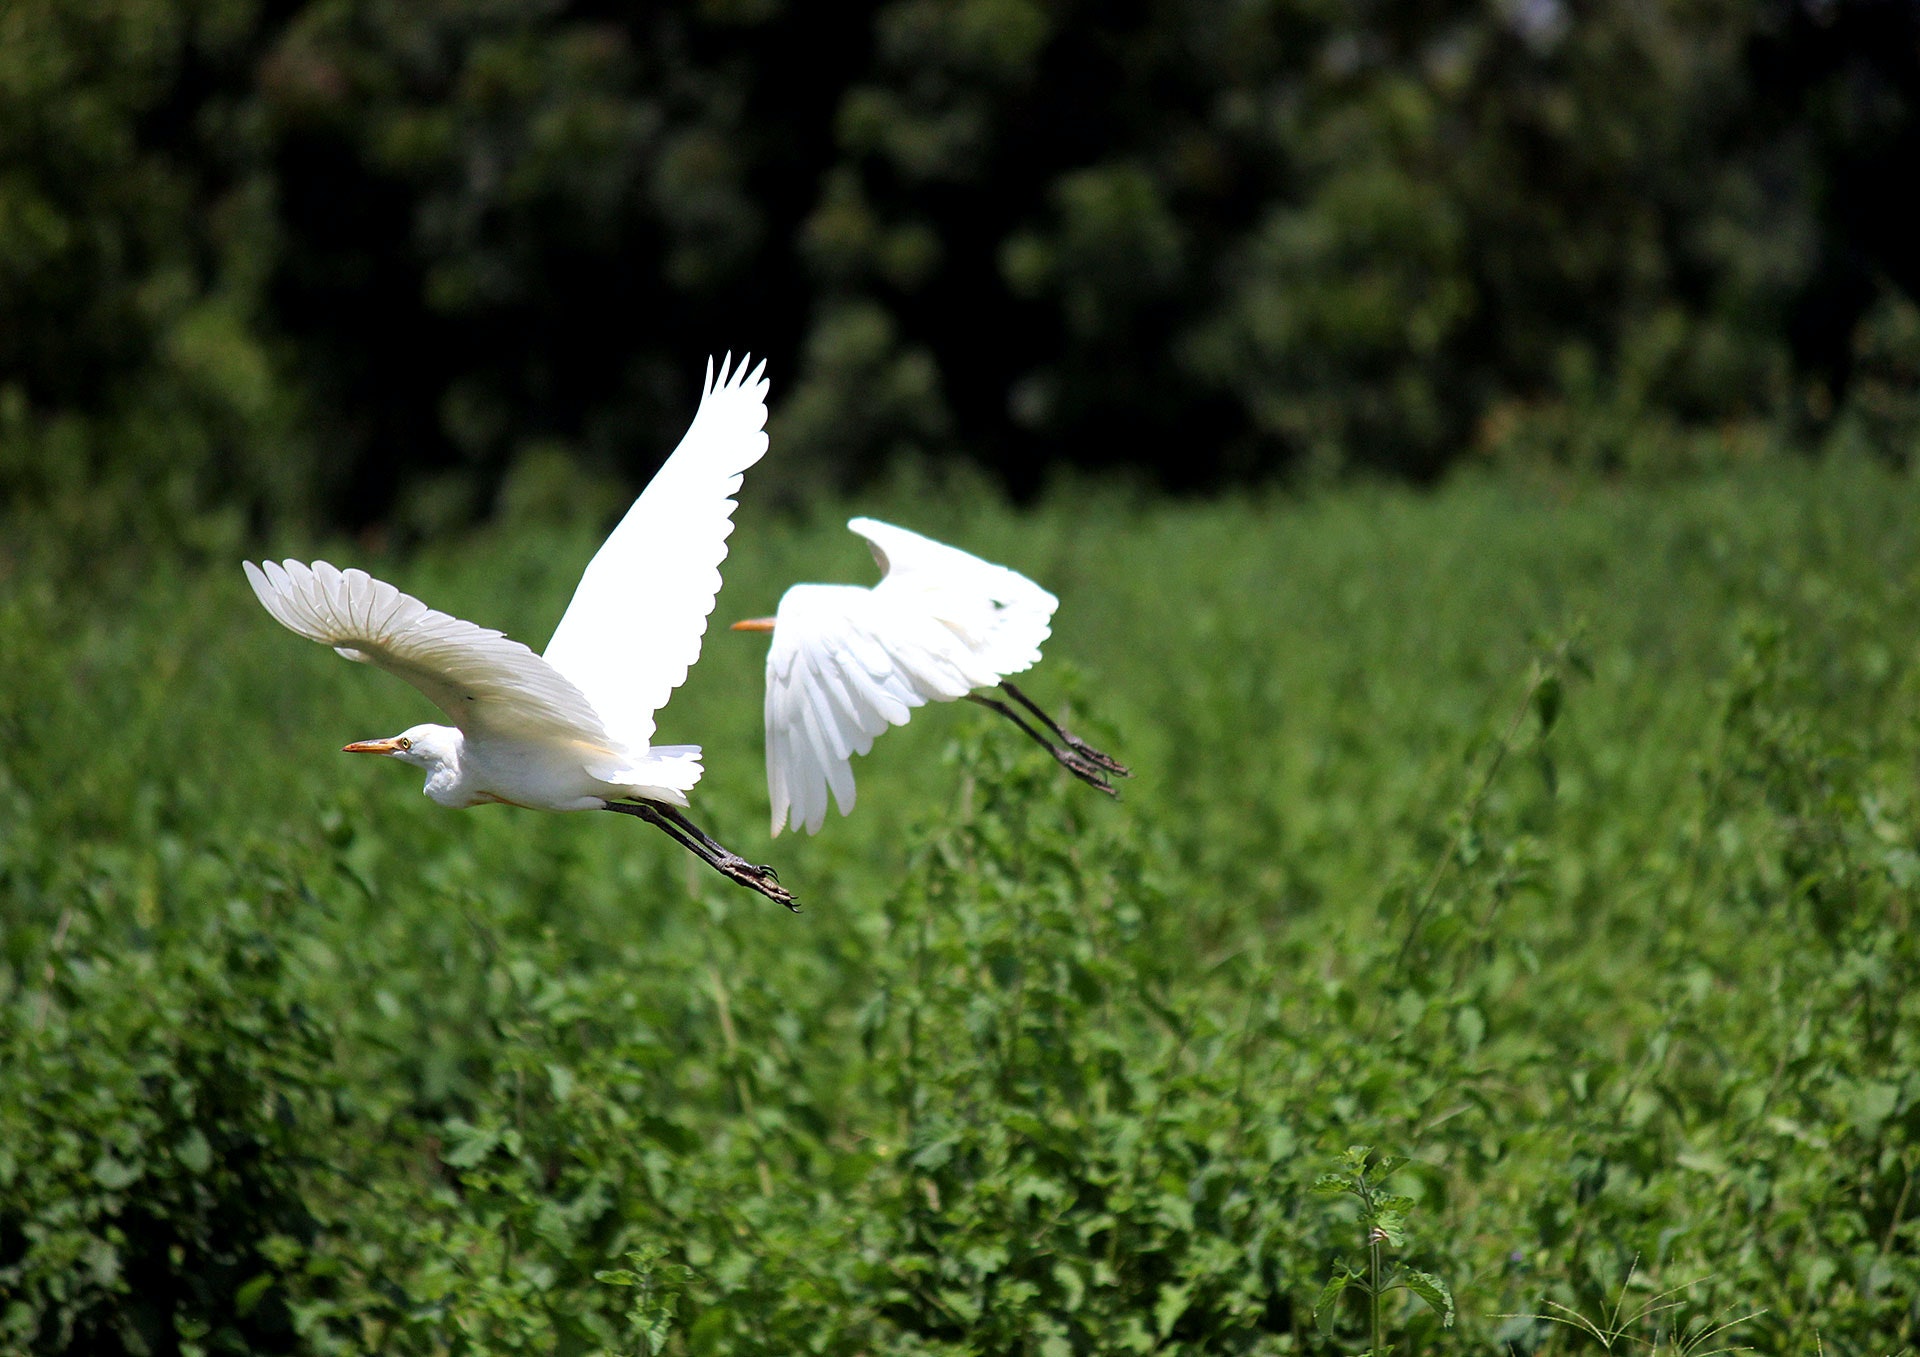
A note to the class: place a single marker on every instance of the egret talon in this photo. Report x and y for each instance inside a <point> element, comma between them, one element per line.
<point>1109,764</point>
<point>1086,771</point>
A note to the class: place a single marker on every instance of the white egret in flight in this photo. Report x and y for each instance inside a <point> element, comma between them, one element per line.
<point>570,730</point>
<point>846,662</point>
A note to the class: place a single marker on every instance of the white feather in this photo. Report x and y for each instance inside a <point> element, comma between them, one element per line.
<point>488,684</point>
<point>637,618</point>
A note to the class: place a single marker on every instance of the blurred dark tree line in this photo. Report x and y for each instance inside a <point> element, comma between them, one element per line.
<point>373,260</point>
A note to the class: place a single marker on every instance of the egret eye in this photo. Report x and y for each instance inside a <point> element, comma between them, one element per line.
<point>405,743</point>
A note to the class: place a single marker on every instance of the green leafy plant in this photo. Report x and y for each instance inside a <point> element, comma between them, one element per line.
<point>652,1285</point>
<point>1361,1177</point>
<point>298,1061</point>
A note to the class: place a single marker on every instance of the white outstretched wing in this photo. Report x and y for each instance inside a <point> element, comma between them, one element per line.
<point>487,683</point>
<point>634,626</point>
<point>845,663</point>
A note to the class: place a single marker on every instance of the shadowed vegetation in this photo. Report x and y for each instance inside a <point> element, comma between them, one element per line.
<point>347,262</point>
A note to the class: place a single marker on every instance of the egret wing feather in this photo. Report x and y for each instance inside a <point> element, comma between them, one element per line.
<point>831,687</point>
<point>486,682</point>
<point>636,621</point>
<point>997,616</point>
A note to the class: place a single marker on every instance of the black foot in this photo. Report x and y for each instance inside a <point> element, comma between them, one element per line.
<point>754,876</point>
<point>1072,753</point>
<point>1105,762</point>
<point>1084,768</point>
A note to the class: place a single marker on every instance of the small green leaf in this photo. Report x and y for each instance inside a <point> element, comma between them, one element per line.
<point>1870,1102</point>
<point>1168,1309</point>
<point>934,1155</point>
<point>471,1144</point>
<point>114,1174</point>
<point>1072,1289</point>
<point>1329,1294</point>
<point>1472,1027</point>
<point>1547,697</point>
<point>250,1292</point>
<point>1389,1217</point>
<point>1431,1290</point>
<point>193,1152</point>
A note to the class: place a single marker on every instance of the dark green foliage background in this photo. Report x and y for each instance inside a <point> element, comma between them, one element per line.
<point>297,1061</point>
<point>353,261</point>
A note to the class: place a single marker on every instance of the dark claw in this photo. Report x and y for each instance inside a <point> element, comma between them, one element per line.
<point>1104,761</point>
<point>780,895</point>
<point>1084,769</point>
<point>765,880</point>
<point>758,878</point>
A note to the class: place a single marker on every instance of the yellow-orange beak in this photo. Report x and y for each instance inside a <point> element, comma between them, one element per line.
<point>391,746</point>
<point>753,624</point>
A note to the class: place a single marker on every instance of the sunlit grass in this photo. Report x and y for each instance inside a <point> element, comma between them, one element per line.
<point>1033,1071</point>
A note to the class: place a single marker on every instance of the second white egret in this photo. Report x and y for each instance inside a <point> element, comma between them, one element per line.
<point>846,662</point>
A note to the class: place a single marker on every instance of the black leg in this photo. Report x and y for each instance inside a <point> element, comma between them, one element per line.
<point>697,841</point>
<point>652,816</point>
<point>1072,760</point>
<point>688,827</point>
<point>1067,737</point>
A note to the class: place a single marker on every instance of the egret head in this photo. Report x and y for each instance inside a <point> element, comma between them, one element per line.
<point>429,747</point>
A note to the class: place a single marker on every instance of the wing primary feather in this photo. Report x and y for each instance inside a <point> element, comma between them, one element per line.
<point>483,680</point>
<point>637,619</point>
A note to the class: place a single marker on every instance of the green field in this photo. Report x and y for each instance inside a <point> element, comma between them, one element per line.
<point>1558,837</point>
